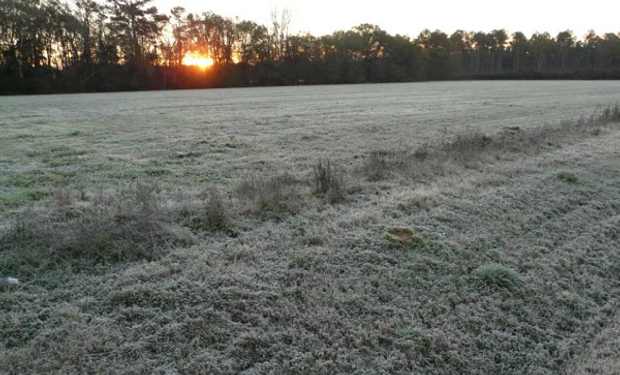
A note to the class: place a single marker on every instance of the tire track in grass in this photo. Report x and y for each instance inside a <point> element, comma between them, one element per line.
<point>536,214</point>
<point>575,229</point>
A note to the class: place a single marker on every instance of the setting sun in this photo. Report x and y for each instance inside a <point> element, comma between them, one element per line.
<point>200,61</point>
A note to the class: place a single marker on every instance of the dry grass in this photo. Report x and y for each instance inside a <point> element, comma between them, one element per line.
<point>271,197</point>
<point>328,181</point>
<point>128,225</point>
<point>418,202</point>
<point>212,216</point>
<point>467,253</point>
<point>472,146</point>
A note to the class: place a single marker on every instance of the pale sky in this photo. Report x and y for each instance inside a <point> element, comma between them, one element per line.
<point>410,17</point>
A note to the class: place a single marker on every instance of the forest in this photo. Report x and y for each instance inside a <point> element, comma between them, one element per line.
<point>50,46</point>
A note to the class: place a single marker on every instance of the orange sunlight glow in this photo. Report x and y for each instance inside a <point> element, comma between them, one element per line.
<point>197,60</point>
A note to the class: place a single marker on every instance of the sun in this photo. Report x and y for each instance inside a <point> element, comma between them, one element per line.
<point>197,60</point>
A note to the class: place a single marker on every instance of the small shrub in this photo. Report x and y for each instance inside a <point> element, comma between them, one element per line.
<point>568,177</point>
<point>62,196</point>
<point>498,277</point>
<point>328,181</point>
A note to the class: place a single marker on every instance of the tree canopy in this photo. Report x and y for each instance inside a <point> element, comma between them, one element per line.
<point>79,46</point>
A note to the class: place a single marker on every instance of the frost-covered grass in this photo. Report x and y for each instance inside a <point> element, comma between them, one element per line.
<point>475,230</point>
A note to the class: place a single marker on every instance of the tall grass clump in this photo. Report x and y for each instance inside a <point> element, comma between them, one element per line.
<point>380,164</point>
<point>273,196</point>
<point>495,276</point>
<point>610,113</point>
<point>212,216</point>
<point>328,181</point>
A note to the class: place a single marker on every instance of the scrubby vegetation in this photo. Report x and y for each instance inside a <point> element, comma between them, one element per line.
<point>468,148</point>
<point>121,225</point>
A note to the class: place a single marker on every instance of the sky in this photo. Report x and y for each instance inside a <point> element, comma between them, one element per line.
<point>321,17</point>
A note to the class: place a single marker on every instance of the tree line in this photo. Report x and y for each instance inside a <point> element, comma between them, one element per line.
<point>52,46</point>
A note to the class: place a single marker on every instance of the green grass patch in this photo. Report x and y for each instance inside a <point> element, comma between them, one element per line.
<point>21,198</point>
<point>29,179</point>
<point>156,172</point>
<point>496,276</point>
<point>568,177</point>
<point>412,339</point>
<point>302,262</point>
<point>57,156</point>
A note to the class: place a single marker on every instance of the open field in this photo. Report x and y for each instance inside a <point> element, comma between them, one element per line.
<point>434,228</point>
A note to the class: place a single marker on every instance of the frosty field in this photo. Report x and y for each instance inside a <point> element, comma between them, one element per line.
<point>461,228</point>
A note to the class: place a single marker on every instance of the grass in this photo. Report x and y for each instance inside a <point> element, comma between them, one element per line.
<point>472,146</point>
<point>271,197</point>
<point>213,216</point>
<point>450,254</point>
<point>568,177</point>
<point>498,277</point>
<point>401,238</point>
<point>328,181</point>
<point>128,226</point>
<point>23,197</point>
<point>418,202</point>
